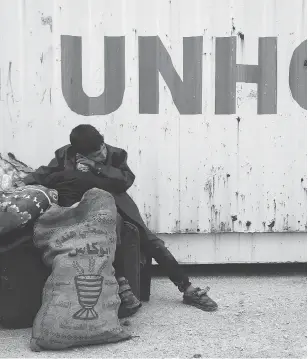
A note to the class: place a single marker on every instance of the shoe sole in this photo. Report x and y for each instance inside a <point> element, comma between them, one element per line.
<point>199,306</point>
<point>129,312</point>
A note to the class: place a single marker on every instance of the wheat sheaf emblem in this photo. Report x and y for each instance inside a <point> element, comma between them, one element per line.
<point>89,288</point>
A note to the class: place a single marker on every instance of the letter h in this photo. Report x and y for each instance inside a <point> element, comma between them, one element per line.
<point>228,73</point>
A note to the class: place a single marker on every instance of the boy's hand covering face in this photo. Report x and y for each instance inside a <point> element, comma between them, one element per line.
<point>85,161</point>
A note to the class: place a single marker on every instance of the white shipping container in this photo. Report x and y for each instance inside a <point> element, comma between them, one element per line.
<point>209,98</point>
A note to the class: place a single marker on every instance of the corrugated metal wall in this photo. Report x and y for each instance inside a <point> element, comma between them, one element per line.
<point>227,150</point>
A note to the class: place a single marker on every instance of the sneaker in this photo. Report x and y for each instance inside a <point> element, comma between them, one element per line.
<point>129,303</point>
<point>199,298</point>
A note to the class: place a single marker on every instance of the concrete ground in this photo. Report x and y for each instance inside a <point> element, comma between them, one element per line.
<point>258,317</point>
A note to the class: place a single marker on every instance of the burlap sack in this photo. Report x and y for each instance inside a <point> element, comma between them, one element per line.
<point>80,298</point>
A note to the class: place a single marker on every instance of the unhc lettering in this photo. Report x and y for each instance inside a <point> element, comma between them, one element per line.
<point>154,59</point>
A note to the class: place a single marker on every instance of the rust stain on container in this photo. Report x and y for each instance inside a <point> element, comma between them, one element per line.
<point>241,35</point>
<point>47,20</point>
<point>271,225</point>
<point>234,218</point>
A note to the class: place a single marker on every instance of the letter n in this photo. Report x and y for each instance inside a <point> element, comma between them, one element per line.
<point>154,59</point>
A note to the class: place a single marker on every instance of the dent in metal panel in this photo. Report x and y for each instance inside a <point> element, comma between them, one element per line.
<point>71,63</point>
<point>155,59</point>
<point>298,75</point>
<point>228,73</point>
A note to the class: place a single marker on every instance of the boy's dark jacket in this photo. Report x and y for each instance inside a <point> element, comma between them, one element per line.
<point>114,177</point>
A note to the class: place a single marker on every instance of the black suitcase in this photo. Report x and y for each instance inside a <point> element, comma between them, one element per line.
<point>22,279</point>
<point>137,265</point>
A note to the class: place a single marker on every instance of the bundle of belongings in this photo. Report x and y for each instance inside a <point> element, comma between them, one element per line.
<point>70,261</point>
<point>24,205</point>
<point>22,271</point>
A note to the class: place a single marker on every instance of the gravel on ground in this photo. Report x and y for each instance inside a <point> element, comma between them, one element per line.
<point>258,317</point>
